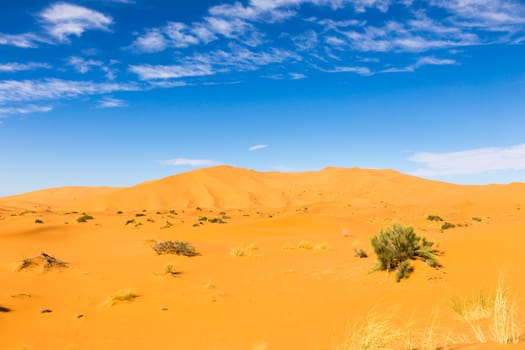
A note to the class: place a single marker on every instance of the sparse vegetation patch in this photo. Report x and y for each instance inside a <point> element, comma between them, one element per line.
<point>175,247</point>
<point>395,246</point>
<point>434,218</point>
<point>45,260</point>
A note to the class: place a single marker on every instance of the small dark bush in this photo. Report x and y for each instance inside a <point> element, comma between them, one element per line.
<point>217,221</point>
<point>38,221</point>
<point>198,208</point>
<point>120,212</point>
<point>476,218</point>
<point>175,247</point>
<point>404,270</point>
<point>4,309</point>
<point>140,214</point>
<point>203,218</point>
<point>168,225</point>
<point>397,245</point>
<point>434,218</point>
<point>447,225</point>
<point>132,221</point>
<point>360,253</point>
<point>85,218</point>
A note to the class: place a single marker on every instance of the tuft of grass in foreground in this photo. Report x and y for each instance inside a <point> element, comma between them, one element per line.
<point>122,296</point>
<point>373,333</point>
<point>494,315</point>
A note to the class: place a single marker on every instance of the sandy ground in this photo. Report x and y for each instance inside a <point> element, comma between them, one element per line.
<point>300,285</point>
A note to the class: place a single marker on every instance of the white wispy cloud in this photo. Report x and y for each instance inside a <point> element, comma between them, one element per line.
<point>151,72</point>
<point>82,65</point>
<point>18,67</point>
<point>62,20</point>
<point>110,102</point>
<point>423,61</point>
<point>25,40</point>
<point>474,161</point>
<point>55,89</point>
<point>27,109</point>
<point>257,147</point>
<point>189,162</point>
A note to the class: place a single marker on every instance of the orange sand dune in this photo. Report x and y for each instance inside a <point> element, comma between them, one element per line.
<point>298,285</point>
<point>52,198</point>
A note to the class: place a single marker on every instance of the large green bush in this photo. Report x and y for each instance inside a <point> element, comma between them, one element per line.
<point>395,246</point>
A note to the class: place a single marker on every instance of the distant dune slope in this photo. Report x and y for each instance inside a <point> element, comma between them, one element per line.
<point>52,198</point>
<point>230,187</point>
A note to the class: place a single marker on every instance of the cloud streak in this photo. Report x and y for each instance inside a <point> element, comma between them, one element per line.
<point>474,161</point>
<point>189,162</point>
<point>257,147</point>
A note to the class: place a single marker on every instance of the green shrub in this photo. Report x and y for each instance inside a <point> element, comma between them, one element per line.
<point>175,247</point>
<point>395,246</point>
<point>434,218</point>
<point>360,253</point>
<point>217,221</point>
<point>140,214</point>
<point>447,225</point>
<point>404,270</point>
<point>203,218</point>
<point>85,218</point>
<point>132,221</point>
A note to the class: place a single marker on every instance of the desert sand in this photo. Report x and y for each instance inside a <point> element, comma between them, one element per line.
<point>280,273</point>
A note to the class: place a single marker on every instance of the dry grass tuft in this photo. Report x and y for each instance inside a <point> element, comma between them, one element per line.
<point>496,313</point>
<point>122,296</point>
<point>374,333</point>
<point>250,250</point>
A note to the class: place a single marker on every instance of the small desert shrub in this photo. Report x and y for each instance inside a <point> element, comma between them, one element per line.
<point>447,225</point>
<point>175,247</point>
<point>167,225</point>
<point>434,218</point>
<point>198,209</point>
<point>4,309</point>
<point>476,218</point>
<point>321,247</point>
<point>85,218</point>
<point>120,212</point>
<point>140,214</point>
<point>132,221</point>
<point>170,270</point>
<point>203,218</point>
<point>395,246</point>
<point>404,270</point>
<point>360,253</point>
<point>216,221</point>
<point>123,296</point>
<point>305,245</point>
<point>38,221</point>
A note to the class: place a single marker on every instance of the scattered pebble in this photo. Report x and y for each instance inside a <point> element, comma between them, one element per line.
<point>45,311</point>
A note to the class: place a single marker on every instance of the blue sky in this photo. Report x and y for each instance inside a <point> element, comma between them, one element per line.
<point>115,92</point>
